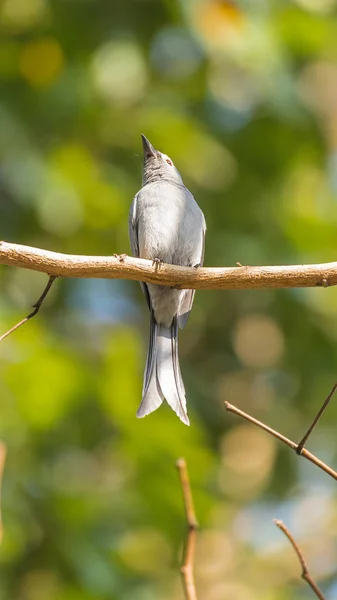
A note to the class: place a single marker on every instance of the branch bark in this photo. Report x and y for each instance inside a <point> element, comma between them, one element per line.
<point>305,571</point>
<point>125,267</point>
<point>3,454</point>
<point>299,448</point>
<point>34,312</point>
<point>188,561</point>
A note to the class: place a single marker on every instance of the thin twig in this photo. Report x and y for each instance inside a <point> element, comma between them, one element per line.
<point>305,571</point>
<point>304,452</point>
<point>36,307</point>
<point>3,453</point>
<point>316,419</point>
<point>125,267</point>
<point>188,559</point>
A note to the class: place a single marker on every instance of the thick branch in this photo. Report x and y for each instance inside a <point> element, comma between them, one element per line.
<point>125,267</point>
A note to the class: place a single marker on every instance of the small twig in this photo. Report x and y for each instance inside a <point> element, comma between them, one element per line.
<point>36,307</point>
<point>316,419</point>
<point>308,455</point>
<point>305,571</point>
<point>3,453</point>
<point>187,566</point>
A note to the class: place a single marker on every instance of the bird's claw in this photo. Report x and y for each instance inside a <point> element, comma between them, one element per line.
<point>120,257</point>
<point>157,263</point>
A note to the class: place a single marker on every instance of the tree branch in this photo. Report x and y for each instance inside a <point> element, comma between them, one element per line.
<point>299,449</point>
<point>187,566</point>
<point>34,312</point>
<point>3,453</point>
<point>316,419</point>
<point>125,267</point>
<point>305,571</point>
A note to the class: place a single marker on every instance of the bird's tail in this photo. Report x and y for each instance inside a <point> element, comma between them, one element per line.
<point>162,377</point>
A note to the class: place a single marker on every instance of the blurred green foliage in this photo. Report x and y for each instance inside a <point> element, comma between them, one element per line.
<point>243,96</point>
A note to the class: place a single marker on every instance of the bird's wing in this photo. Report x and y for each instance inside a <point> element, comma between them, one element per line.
<point>134,243</point>
<point>187,301</point>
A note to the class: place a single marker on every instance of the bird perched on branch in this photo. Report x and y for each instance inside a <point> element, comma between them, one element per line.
<point>165,225</point>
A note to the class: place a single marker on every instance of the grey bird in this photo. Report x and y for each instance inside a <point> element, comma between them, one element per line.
<point>165,225</point>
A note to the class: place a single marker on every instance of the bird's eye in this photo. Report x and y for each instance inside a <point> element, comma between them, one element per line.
<point>149,154</point>
<point>169,162</point>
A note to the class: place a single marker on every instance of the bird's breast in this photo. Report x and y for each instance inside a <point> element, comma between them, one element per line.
<point>170,224</point>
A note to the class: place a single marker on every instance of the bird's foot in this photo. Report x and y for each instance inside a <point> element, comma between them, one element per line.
<point>157,263</point>
<point>120,257</point>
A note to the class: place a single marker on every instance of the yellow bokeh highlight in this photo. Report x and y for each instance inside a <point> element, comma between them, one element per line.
<point>245,388</point>
<point>60,210</point>
<point>247,451</point>
<point>248,457</point>
<point>119,72</point>
<point>220,21</point>
<point>22,14</point>
<point>145,551</point>
<point>39,584</point>
<point>258,341</point>
<point>317,6</point>
<point>216,557</point>
<point>41,62</point>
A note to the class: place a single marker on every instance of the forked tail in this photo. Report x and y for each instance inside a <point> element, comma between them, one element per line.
<point>162,377</point>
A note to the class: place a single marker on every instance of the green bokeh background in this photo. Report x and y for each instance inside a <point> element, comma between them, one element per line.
<point>243,97</point>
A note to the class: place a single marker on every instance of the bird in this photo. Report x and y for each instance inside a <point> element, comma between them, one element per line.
<point>165,225</point>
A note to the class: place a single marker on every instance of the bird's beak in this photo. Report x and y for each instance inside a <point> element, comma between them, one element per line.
<point>148,149</point>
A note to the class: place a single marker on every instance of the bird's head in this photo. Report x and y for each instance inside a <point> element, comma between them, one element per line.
<point>157,165</point>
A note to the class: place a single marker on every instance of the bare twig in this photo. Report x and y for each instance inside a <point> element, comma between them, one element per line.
<point>316,419</point>
<point>3,453</point>
<point>114,267</point>
<point>36,307</point>
<point>305,572</point>
<point>187,566</point>
<point>303,452</point>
